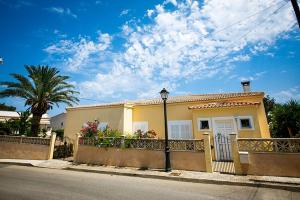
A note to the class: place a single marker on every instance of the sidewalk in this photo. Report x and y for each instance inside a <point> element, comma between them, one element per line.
<point>286,183</point>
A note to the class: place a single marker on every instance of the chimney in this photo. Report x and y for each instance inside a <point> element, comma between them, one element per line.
<point>246,86</point>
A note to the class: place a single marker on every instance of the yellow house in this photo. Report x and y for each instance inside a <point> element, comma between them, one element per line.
<point>188,116</point>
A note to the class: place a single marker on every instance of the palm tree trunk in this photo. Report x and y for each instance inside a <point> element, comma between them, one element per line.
<point>35,124</point>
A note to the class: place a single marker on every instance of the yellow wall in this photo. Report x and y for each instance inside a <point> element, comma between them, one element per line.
<point>121,117</point>
<point>75,118</point>
<point>154,115</point>
<point>228,112</point>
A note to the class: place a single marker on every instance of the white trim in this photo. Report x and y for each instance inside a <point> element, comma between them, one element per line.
<point>199,124</point>
<point>140,125</point>
<point>245,117</point>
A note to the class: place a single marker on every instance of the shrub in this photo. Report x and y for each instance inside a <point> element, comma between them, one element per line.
<point>59,133</point>
<point>108,132</point>
<point>89,130</point>
<point>144,135</point>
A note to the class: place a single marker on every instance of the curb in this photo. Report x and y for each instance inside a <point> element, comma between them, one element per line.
<point>282,186</point>
<point>19,164</point>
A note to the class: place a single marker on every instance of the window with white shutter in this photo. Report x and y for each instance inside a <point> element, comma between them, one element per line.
<point>102,126</point>
<point>143,126</point>
<point>180,129</point>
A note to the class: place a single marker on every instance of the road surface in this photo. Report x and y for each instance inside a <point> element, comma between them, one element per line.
<point>20,182</point>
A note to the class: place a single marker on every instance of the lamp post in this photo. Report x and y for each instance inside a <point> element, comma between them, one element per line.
<point>164,95</point>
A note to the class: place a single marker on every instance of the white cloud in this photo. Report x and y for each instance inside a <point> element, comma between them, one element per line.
<point>150,12</point>
<point>174,2</point>
<point>76,55</point>
<point>285,95</point>
<point>255,76</point>
<point>185,42</point>
<point>63,11</point>
<point>124,12</point>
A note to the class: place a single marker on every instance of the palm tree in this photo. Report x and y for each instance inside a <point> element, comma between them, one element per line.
<point>43,88</point>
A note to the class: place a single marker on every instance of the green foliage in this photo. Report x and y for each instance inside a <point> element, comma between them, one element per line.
<point>5,107</point>
<point>144,135</point>
<point>7,128</point>
<point>41,89</point>
<point>18,126</point>
<point>59,133</point>
<point>63,151</point>
<point>269,104</point>
<point>285,119</point>
<point>24,122</point>
<point>108,132</point>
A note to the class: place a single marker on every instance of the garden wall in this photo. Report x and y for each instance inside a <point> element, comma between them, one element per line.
<point>270,157</point>
<point>29,148</point>
<point>273,164</point>
<point>140,158</point>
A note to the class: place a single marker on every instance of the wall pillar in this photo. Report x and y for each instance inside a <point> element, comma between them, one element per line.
<point>235,154</point>
<point>76,146</point>
<point>207,152</point>
<point>51,146</point>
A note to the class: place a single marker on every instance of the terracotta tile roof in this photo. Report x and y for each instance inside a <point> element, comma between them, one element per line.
<point>224,104</point>
<point>177,99</point>
<point>198,97</point>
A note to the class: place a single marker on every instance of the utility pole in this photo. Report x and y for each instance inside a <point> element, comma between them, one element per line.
<point>297,11</point>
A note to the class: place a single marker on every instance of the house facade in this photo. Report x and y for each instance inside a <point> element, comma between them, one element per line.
<point>189,117</point>
<point>58,121</point>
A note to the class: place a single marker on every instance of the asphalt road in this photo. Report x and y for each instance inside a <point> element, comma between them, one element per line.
<point>19,182</point>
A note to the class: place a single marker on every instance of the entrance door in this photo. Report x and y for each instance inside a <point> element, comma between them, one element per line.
<point>222,129</point>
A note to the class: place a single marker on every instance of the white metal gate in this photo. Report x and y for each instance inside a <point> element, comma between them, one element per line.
<point>222,129</point>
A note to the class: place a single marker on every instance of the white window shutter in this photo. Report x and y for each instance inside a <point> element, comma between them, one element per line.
<point>143,126</point>
<point>180,129</point>
<point>102,126</point>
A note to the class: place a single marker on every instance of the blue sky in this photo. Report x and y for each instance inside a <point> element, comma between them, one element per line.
<point>119,50</point>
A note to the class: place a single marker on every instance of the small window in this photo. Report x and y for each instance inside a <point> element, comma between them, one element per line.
<point>204,124</point>
<point>245,123</point>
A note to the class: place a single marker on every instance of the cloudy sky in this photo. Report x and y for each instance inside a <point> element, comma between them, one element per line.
<point>120,50</point>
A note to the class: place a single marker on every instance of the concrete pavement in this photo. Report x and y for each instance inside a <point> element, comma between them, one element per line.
<point>22,182</point>
<point>287,183</point>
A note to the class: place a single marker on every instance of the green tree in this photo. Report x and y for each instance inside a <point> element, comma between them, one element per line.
<point>42,89</point>
<point>16,126</point>
<point>269,104</point>
<point>285,121</point>
<point>24,122</point>
<point>5,107</point>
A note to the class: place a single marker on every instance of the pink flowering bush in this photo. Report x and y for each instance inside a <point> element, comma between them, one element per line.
<point>89,130</point>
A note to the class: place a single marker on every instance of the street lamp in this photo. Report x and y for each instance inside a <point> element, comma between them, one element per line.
<point>164,95</point>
